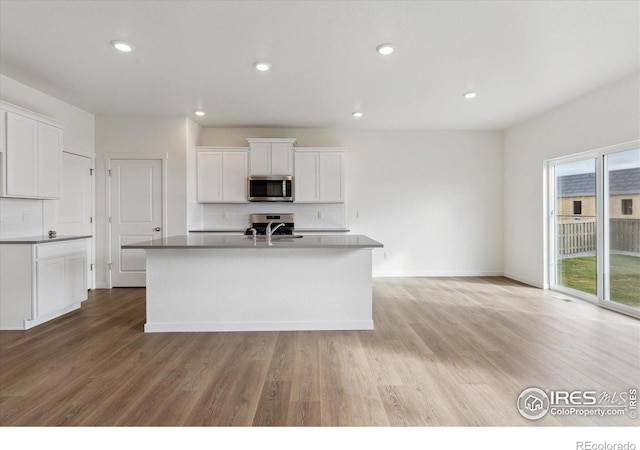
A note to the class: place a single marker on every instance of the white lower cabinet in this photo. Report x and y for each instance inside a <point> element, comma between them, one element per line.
<point>75,277</point>
<point>50,286</point>
<point>41,282</point>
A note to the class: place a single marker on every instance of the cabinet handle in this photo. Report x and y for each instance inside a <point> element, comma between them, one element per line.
<point>157,228</point>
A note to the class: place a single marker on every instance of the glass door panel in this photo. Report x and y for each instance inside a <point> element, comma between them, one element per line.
<point>622,188</point>
<point>576,226</point>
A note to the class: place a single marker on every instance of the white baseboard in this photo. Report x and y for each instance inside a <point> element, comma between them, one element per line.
<point>30,323</point>
<point>431,274</point>
<point>258,326</point>
<point>102,285</point>
<point>525,280</point>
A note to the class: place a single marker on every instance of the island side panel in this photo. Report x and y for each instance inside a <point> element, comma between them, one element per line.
<point>258,289</point>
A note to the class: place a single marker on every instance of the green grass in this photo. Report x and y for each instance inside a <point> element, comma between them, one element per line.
<point>580,273</point>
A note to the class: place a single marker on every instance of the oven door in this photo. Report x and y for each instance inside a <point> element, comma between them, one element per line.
<point>270,189</point>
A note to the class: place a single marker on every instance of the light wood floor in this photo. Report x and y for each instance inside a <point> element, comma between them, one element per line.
<point>445,351</point>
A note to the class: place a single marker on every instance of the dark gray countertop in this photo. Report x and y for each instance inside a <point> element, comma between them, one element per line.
<point>42,239</point>
<point>212,241</point>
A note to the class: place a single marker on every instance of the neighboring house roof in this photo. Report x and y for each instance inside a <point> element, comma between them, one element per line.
<point>623,181</point>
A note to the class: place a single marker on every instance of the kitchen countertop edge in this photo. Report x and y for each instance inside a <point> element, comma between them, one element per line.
<point>351,241</point>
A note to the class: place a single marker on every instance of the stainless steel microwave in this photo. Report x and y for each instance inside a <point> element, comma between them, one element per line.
<point>270,188</point>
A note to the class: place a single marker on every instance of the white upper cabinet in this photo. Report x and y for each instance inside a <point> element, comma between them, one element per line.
<point>282,158</point>
<point>209,175</point>
<point>319,175</point>
<point>221,175</point>
<point>260,159</point>
<point>31,157</point>
<point>49,160</point>
<point>331,177</point>
<point>22,153</point>
<point>271,156</point>
<point>306,177</point>
<point>234,177</point>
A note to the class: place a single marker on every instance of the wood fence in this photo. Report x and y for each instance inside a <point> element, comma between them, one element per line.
<point>578,237</point>
<point>625,235</point>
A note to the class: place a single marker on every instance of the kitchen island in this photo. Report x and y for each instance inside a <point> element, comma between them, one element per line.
<point>233,283</point>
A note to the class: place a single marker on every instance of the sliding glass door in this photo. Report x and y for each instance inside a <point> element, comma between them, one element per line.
<point>622,209</point>
<point>575,227</point>
<point>594,230</point>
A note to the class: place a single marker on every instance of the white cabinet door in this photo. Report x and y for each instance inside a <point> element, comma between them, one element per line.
<point>209,176</point>
<point>319,177</point>
<point>306,178</point>
<point>281,159</point>
<point>50,286</point>
<point>22,154</point>
<point>331,177</point>
<point>234,177</point>
<point>49,160</point>
<point>31,159</point>
<point>75,274</point>
<point>222,176</point>
<point>271,158</point>
<point>260,159</point>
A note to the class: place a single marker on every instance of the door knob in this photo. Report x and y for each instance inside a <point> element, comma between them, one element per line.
<point>157,228</point>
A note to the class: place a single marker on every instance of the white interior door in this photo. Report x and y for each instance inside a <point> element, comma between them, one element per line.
<point>136,216</point>
<point>72,213</point>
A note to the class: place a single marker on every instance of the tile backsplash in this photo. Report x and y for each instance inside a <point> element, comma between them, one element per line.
<point>232,216</point>
<point>20,217</point>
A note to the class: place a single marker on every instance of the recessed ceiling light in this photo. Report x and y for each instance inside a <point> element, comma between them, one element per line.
<point>122,46</point>
<point>262,66</point>
<point>357,114</point>
<point>470,94</point>
<point>385,49</point>
<point>199,113</point>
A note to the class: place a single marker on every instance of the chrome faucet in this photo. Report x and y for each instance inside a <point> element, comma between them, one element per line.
<point>270,231</point>
<point>255,234</point>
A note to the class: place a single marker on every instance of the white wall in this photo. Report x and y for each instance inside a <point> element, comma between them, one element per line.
<point>433,198</point>
<point>607,116</point>
<point>142,134</point>
<point>22,217</point>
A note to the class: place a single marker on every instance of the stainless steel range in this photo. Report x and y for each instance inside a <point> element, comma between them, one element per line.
<point>281,224</point>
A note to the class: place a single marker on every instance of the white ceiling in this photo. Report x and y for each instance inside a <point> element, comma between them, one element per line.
<point>522,58</point>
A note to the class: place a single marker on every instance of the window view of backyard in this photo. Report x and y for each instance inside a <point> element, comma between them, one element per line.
<point>576,227</point>
<point>576,223</point>
<point>580,273</point>
<point>623,180</point>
